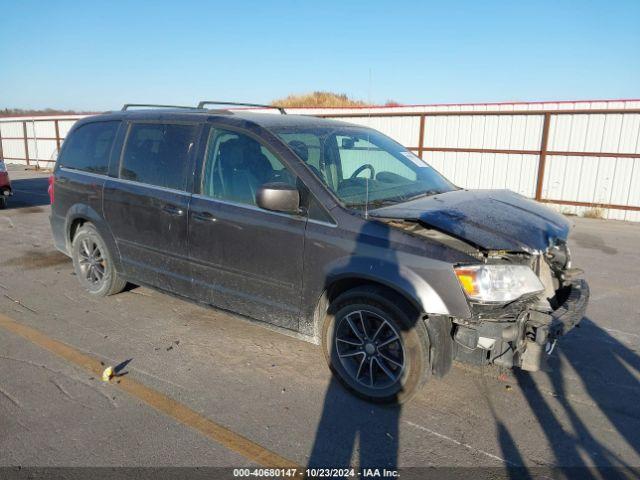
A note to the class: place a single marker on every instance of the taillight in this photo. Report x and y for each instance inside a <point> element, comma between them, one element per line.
<point>52,182</point>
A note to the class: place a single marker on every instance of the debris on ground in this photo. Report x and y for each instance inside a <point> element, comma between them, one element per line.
<point>107,374</point>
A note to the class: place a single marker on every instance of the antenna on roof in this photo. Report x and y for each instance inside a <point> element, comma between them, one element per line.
<point>129,105</point>
<point>238,104</point>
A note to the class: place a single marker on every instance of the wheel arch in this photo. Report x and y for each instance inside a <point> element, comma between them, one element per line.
<point>347,282</point>
<point>353,271</point>
<point>438,325</point>
<point>78,215</point>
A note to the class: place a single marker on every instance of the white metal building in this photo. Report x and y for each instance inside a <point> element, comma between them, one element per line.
<point>582,157</point>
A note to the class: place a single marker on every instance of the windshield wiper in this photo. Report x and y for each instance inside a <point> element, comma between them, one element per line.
<point>382,202</point>
<point>428,193</point>
<point>373,203</point>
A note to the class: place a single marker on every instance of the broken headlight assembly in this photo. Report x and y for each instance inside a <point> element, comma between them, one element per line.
<point>497,283</point>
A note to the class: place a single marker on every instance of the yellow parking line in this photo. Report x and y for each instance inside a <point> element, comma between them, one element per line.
<point>214,431</point>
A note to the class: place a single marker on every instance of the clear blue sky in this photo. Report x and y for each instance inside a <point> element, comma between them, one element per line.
<point>97,55</point>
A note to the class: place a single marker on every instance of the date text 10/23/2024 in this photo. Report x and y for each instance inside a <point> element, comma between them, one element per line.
<point>315,472</point>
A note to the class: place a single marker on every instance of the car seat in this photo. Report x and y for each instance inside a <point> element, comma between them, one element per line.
<point>237,179</point>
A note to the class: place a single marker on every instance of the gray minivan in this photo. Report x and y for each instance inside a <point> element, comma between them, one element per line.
<point>328,231</point>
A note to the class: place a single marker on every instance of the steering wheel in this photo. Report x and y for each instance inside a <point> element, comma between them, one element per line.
<point>366,166</point>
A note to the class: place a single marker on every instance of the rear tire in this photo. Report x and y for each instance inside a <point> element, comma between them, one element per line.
<point>3,202</point>
<point>376,344</point>
<point>93,263</point>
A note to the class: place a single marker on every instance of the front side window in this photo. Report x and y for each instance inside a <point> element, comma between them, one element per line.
<point>363,167</point>
<point>237,165</point>
<point>89,146</point>
<point>159,154</point>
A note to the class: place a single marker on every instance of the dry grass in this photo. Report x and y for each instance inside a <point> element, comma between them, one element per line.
<point>596,212</point>
<point>325,99</point>
<point>318,99</point>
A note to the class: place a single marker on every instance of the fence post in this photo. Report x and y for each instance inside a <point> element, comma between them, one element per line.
<point>26,141</point>
<point>55,123</point>
<point>35,143</point>
<point>542,159</point>
<point>421,139</point>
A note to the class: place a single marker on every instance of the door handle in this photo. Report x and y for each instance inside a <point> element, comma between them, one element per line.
<point>204,217</point>
<point>173,210</point>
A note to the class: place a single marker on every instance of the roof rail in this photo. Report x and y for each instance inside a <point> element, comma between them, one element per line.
<point>213,102</point>
<point>128,105</point>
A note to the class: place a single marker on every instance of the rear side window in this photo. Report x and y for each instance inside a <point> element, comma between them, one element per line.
<point>159,154</point>
<point>89,146</point>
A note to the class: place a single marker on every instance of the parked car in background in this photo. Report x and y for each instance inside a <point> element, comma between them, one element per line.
<point>327,230</point>
<point>5,184</point>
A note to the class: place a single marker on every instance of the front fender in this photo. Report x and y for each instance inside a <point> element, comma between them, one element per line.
<point>417,290</point>
<point>395,276</point>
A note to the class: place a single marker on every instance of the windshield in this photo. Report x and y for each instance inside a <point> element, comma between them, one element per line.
<point>362,167</point>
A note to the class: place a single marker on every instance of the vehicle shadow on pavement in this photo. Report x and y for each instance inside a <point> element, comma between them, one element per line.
<point>348,424</point>
<point>613,382</point>
<point>514,463</point>
<point>28,192</point>
<point>608,370</point>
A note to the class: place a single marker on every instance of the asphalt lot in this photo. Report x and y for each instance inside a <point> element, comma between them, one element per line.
<point>276,391</point>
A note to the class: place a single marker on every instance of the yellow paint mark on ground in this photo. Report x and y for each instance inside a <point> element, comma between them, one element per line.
<point>222,435</point>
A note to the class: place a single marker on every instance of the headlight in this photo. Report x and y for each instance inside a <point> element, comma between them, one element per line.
<point>497,283</point>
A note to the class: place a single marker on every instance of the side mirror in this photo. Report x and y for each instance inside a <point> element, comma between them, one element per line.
<point>278,197</point>
<point>348,143</point>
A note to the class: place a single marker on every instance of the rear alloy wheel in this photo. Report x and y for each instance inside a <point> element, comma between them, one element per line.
<point>376,344</point>
<point>93,263</point>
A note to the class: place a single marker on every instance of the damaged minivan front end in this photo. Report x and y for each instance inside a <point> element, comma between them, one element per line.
<point>521,288</point>
<point>549,301</point>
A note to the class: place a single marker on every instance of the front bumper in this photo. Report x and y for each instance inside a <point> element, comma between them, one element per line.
<point>572,310</point>
<point>523,342</point>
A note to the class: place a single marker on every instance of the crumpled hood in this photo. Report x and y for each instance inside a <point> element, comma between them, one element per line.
<point>489,219</point>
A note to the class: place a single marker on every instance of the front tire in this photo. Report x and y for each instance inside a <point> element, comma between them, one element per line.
<point>93,263</point>
<point>376,344</point>
<point>3,202</point>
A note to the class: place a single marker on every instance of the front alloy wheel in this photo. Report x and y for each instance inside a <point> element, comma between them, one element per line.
<point>369,349</point>
<point>377,344</point>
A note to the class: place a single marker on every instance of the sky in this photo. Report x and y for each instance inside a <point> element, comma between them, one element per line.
<point>98,55</point>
